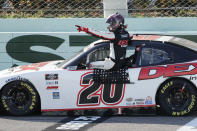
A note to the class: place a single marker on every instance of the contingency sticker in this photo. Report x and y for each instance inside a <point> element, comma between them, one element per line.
<point>56,95</point>
<point>51,77</point>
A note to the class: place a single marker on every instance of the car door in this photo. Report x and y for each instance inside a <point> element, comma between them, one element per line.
<point>144,88</point>
<point>105,94</point>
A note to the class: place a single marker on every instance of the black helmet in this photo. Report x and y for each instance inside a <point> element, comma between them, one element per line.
<point>115,21</point>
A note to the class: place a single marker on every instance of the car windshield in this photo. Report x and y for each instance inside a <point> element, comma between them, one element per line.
<point>70,58</point>
<point>86,48</point>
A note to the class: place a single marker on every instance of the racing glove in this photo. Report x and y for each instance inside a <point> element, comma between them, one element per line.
<point>100,34</point>
<point>80,28</point>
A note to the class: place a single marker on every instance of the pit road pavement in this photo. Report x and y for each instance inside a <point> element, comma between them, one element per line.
<point>112,123</point>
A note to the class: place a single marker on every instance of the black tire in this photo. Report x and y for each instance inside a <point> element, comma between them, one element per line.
<point>19,98</point>
<point>177,97</point>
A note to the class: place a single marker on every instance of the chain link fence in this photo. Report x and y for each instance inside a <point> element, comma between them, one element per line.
<point>162,8</point>
<point>94,8</point>
<point>51,8</point>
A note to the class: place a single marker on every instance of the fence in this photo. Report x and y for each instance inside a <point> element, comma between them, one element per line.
<point>51,8</point>
<point>162,8</point>
<point>94,8</point>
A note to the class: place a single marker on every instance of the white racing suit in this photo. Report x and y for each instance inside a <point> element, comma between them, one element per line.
<point>118,43</point>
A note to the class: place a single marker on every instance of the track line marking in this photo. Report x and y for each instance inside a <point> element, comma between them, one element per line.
<point>81,123</point>
<point>78,123</point>
<point>190,126</point>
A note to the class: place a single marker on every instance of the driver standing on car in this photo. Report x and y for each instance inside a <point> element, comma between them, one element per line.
<point>119,39</point>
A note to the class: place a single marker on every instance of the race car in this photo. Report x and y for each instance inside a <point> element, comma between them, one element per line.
<point>160,71</point>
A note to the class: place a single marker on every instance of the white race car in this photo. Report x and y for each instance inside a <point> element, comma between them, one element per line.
<point>161,71</point>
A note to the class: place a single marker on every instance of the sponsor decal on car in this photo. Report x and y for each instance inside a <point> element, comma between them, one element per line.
<point>146,37</point>
<point>130,99</point>
<point>15,78</point>
<point>148,100</point>
<point>51,76</point>
<point>129,104</point>
<point>168,71</point>
<point>139,101</point>
<point>52,87</point>
<point>51,82</point>
<point>91,66</point>
<point>193,78</point>
<point>35,66</point>
<point>56,95</point>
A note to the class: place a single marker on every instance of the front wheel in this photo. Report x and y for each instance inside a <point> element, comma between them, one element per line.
<point>177,97</point>
<point>19,98</point>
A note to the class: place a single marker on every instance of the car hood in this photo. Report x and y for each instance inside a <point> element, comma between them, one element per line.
<point>43,66</point>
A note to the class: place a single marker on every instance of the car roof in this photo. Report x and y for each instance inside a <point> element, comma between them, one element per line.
<point>172,39</point>
<point>161,38</point>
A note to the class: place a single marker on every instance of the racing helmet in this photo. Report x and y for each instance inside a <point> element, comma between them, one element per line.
<point>115,21</point>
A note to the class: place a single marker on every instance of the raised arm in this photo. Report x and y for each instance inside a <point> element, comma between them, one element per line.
<point>100,34</point>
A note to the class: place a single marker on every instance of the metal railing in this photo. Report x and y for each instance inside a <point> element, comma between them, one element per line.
<point>94,8</point>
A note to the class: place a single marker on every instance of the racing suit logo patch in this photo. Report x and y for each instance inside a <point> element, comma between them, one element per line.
<point>123,43</point>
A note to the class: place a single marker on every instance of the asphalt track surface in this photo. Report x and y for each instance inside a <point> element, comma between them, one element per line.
<point>136,122</point>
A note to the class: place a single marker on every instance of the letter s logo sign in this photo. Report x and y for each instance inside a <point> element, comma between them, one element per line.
<point>19,48</point>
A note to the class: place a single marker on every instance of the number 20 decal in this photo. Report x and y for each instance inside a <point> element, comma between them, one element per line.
<point>93,93</point>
